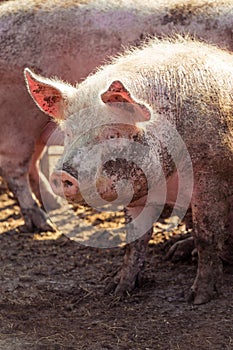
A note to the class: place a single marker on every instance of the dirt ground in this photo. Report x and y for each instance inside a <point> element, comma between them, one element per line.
<point>52,295</point>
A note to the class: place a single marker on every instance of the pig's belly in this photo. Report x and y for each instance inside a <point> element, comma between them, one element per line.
<point>178,194</point>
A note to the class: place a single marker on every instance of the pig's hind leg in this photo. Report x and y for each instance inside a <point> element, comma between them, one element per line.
<point>38,181</point>
<point>210,207</point>
<point>15,172</point>
<point>227,252</point>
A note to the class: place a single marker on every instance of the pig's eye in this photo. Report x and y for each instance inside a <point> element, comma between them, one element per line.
<point>68,136</point>
<point>114,136</point>
<point>110,133</point>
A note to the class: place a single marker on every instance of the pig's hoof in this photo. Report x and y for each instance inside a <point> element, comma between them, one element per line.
<point>122,284</point>
<point>202,292</point>
<point>42,226</point>
<point>37,220</point>
<point>47,226</point>
<point>198,298</point>
<point>208,282</point>
<point>181,250</point>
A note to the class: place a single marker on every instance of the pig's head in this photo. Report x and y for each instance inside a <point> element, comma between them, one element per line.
<point>105,143</point>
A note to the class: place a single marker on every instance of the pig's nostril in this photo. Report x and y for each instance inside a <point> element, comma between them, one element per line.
<point>64,184</point>
<point>68,183</point>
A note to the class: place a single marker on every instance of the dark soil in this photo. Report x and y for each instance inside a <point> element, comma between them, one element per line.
<point>52,296</point>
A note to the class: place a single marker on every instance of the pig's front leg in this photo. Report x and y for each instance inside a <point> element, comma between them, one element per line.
<point>129,274</point>
<point>210,218</point>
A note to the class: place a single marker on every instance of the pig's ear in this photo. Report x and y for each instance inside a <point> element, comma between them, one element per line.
<point>117,93</point>
<point>51,96</point>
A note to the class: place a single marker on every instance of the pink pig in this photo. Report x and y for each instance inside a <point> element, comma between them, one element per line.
<point>138,100</point>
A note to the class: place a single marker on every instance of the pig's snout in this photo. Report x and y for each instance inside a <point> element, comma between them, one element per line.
<point>64,184</point>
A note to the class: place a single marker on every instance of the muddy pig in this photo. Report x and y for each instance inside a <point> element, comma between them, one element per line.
<point>59,38</point>
<point>141,98</point>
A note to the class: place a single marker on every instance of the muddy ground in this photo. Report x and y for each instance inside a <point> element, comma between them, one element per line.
<point>52,295</point>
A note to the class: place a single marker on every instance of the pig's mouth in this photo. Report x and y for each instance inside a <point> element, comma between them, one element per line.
<point>122,170</point>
